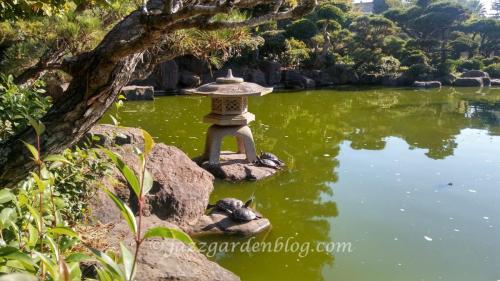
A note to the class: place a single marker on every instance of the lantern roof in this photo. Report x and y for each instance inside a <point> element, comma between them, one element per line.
<point>230,86</point>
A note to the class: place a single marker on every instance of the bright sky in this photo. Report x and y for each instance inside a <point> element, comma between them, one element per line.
<point>486,3</point>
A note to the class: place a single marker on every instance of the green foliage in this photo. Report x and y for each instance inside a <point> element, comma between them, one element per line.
<point>331,12</point>
<point>493,70</point>
<point>380,6</point>
<point>17,103</point>
<point>469,64</point>
<point>302,29</point>
<point>419,71</point>
<point>296,52</point>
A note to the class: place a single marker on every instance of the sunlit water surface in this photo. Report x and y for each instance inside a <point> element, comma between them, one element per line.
<point>411,179</point>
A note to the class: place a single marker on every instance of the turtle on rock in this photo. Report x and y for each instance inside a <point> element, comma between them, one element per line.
<point>270,160</point>
<point>244,213</point>
<point>229,205</point>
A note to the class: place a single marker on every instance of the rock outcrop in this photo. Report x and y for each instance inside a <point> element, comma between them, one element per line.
<point>138,92</point>
<point>219,222</point>
<point>179,194</point>
<point>427,84</point>
<point>469,82</point>
<point>475,74</point>
<point>178,199</point>
<point>495,82</point>
<point>234,167</point>
<point>293,79</point>
<point>168,259</point>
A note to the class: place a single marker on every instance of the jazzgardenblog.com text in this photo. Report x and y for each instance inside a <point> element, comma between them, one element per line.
<point>280,245</point>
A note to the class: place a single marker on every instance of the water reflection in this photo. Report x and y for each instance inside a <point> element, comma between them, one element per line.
<point>308,129</point>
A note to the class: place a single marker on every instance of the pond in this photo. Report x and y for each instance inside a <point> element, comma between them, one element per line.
<point>406,183</point>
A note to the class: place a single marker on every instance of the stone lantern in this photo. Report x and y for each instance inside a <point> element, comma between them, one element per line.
<point>229,115</point>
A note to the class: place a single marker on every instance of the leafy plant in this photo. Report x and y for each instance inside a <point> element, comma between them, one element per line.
<point>17,102</point>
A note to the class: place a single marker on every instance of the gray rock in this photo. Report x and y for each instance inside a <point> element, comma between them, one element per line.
<point>427,84</point>
<point>469,82</point>
<point>234,167</point>
<point>495,82</point>
<point>138,92</point>
<point>370,78</point>
<point>166,76</point>
<point>342,74</point>
<point>391,80</point>
<point>181,188</point>
<point>295,80</point>
<point>486,81</point>
<point>475,73</point>
<point>189,80</point>
<point>257,76</point>
<point>448,79</point>
<point>220,223</point>
<point>321,78</point>
<point>168,259</point>
<point>272,71</point>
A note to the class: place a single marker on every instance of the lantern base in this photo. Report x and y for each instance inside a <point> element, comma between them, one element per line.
<point>216,133</point>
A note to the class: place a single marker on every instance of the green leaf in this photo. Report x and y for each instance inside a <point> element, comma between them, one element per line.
<point>113,119</point>
<point>108,262</point>
<point>75,272</point>
<point>147,182</point>
<point>56,158</point>
<point>49,264</point>
<point>36,216</point>
<point>148,142</point>
<point>37,125</point>
<point>6,216</point>
<point>126,171</point>
<point>64,231</point>
<point>33,151</point>
<point>18,277</point>
<point>127,214</point>
<point>53,247</point>
<point>166,232</point>
<point>41,184</point>
<point>6,196</point>
<point>33,235</point>
<point>63,271</point>
<point>128,261</point>
<point>12,253</point>
<point>77,257</point>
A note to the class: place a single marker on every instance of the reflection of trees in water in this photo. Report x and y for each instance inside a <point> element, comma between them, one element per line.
<point>317,124</point>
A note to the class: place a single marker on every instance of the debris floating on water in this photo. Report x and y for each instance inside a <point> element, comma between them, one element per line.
<point>472,190</point>
<point>428,238</point>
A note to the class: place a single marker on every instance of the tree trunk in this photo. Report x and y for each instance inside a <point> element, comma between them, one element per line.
<point>99,75</point>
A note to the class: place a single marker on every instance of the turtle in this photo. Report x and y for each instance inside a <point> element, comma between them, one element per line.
<point>272,157</point>
<point>267,163</point>
<point>228,205</point>
<point>244,214</point>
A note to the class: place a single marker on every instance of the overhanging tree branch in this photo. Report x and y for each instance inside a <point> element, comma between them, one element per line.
<point>99,75</point>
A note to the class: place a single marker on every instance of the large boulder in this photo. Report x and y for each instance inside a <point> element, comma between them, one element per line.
<point>272,71</point>
<point>295,80</point>
<point>168,259</point>
<point>181,188</point>
<point>469,82</point>
<point>495,82</point>
<point>256,76</point>
<point>342,74</point>
<point>188,79</point>
<point>475,73</point>
<point>138,92</point>
<point>166,76</point>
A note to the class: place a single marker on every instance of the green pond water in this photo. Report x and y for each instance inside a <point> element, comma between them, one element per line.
<point>410,179</point>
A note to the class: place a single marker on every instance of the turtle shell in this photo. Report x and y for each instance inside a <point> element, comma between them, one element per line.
<point>268,163</point>
<point>229,205</point>
<point>243,214</point>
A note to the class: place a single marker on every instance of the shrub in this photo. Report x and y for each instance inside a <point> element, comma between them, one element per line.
<point>389,65</point>
<point>16,103</point>
<point>493,70</point>
<point>274,42</point>
<point>296,53</point>
<point>302,29</point>
<point>469,64</point>
<point>492,60</point>
<point>419,71</point>
<point>446,68</point>
<point>414,57</point>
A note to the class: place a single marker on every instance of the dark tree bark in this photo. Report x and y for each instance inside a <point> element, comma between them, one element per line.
<point>99,75</point>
